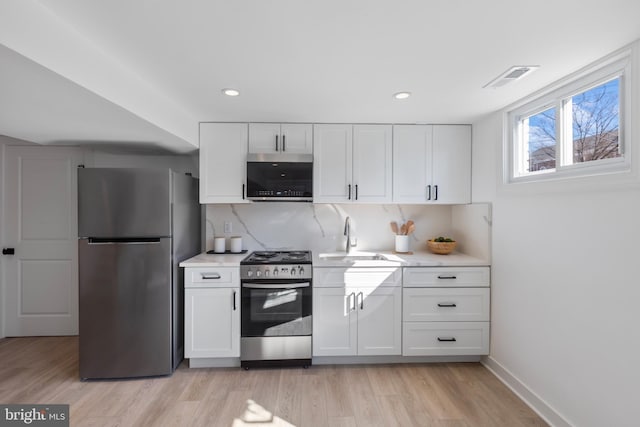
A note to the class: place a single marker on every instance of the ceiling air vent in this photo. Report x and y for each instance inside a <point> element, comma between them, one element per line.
<point>511,75</point>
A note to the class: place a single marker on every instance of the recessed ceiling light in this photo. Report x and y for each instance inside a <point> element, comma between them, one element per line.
<point>402,95</point>
<point>511,75</point>
<point>231,92</point>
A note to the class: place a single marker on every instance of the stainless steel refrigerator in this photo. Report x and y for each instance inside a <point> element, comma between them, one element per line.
<point>134,227</point>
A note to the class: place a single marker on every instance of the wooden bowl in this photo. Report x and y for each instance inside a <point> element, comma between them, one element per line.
<point>441,248</point>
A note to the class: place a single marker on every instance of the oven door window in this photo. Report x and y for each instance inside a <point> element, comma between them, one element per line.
<point>284,311</point>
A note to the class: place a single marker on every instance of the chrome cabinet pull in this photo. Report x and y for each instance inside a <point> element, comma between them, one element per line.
<point>213,276</point>
<point>352,307</point>
<point>361,300</point>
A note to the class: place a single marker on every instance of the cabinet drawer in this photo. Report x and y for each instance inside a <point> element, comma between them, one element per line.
<point>445,276</point>
<point>446,304</point>
<point>211,277</point>
<point>357,277</point>
<point>445,338</point>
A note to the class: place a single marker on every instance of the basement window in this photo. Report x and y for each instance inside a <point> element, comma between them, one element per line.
<point>575,130</point>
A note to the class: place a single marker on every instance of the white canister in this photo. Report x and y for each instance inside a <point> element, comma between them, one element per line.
<point>236,244</point>
<point>402,243</point>
<point>219,244</point>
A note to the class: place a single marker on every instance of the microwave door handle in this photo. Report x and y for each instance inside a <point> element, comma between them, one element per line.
<point>275,286</point>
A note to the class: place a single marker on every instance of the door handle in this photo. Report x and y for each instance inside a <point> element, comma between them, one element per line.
<point>234,301</point>
<point>428,192</point>
<point>435,189</point>
<point>276,142</point>
<point>284,147</point>
<point>361,300</point>
<point>8,251</point>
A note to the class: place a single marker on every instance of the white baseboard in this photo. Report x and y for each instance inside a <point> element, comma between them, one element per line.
<point>535,402</point>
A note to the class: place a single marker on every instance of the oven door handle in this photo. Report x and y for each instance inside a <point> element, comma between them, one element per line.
<point>276,286</point>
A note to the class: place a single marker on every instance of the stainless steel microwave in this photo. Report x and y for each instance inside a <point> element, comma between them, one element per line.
<point>280,177</point>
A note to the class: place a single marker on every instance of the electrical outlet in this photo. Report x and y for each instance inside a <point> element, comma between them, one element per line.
<point>228,227</point>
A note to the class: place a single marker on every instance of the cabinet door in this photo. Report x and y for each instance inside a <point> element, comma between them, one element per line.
<point>334,323</point>
<point>212,323</point>
<point>451,178</point>
<point>411,162</point>
<point>297,138</point>
<point>372,150</point>
<point>379,321</point>
<point>332,162</point>
<point>223,156</point>
<point>264,138</point>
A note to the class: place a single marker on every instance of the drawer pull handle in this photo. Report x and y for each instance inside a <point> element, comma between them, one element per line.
<point>447,277</point>
<point>449,339</point>
<point>213,276</point>
<point>447,304</point>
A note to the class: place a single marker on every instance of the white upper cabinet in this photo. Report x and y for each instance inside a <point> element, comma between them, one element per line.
<point>293,138</point>
<point>352,163</point>
<point>432,164</point>
<point>223,156</point>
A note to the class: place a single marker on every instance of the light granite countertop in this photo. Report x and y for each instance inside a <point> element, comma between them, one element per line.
<point>214,260</point>
<point>417,259</point>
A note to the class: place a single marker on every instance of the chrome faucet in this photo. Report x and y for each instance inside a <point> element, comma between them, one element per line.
<point>347,232</point>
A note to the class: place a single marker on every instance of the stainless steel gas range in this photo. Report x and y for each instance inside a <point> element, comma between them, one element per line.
<point>276,324</point>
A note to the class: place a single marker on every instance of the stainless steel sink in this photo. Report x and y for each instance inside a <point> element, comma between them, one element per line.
<point>353,257</point>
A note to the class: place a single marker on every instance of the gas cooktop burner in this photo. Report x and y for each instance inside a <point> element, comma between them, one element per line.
<point>264,254</point>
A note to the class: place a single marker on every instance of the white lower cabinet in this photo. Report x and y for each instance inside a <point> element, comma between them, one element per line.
<point>445,338</point>
<point>446,311</point>
<point>357,312</point>
<point>212,312</point>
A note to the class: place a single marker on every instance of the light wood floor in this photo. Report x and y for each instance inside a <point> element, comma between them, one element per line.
<point>45,371</point>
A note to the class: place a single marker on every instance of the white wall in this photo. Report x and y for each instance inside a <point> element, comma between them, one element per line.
<point>565,288</point>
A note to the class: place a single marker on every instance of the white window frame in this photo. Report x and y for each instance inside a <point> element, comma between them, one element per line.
<point>516,154</point>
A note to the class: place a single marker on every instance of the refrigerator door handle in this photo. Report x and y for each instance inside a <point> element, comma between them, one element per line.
<point>124,241</point>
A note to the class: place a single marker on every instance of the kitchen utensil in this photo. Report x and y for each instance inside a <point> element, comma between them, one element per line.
<point>403,229</point>
<point>394,227</point>
<point>411,227</point>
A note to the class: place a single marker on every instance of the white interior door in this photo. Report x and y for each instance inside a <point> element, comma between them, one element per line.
<point>40,224</point>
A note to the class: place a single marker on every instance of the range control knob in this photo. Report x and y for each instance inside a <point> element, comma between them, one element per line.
<point>300,270</point>
<point>258,273</point>
<point>275,271</point>
<point>249,273</point>
<point>266,273</point>
<point>293,271</point>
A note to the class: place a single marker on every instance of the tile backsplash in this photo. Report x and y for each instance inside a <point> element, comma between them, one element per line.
<point>320,227</point>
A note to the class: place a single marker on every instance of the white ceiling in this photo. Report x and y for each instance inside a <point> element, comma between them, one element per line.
<point>154,68</point>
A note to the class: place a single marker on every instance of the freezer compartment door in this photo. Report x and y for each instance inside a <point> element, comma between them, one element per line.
<point>125,308</point>
<point>119,202</point>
